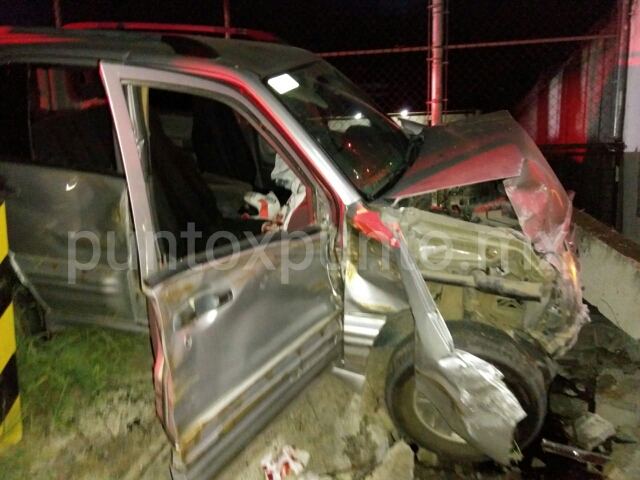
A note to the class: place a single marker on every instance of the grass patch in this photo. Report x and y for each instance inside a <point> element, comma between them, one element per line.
<point>62,374</point>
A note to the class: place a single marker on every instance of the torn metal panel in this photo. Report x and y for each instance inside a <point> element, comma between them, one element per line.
<point>495,276</point>
<point>474,150</point>
<point>540,201</point>
<point>59,221</point>
<point>568,308</point>
<point>467,391</point>
<point>486,148</point>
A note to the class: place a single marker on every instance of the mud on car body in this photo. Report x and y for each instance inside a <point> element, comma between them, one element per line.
<point>126,157</point>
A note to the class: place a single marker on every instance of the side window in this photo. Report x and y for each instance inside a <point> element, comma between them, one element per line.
<point>69,119</point>
<point>55,116</point>
<point>212,173</point>
<point>14,122</point>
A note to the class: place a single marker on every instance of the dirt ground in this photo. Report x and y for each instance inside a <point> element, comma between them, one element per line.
<point>115,434</point>
<point>87,402</point>
<point>112,433</point>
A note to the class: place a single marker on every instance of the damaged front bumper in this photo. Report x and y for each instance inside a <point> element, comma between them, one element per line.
<point>497,277</point>
<point>523,282</point>
<point>483,274</point>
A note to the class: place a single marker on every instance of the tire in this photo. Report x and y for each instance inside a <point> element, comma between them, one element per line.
<point>521,374</point>
<point>28,313</point>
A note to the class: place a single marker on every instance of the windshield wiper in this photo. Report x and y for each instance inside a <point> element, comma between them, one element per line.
<point>413,149</point>
<point>415,144</point>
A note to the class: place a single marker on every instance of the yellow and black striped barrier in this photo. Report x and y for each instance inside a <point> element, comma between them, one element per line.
<point>10,416</point>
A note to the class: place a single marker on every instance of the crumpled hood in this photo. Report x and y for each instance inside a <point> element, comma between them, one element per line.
<point>487,148</point>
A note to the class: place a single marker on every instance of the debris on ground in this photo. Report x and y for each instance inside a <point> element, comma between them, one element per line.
<point>397,464</point>
<point>567,407</point>
<point>574,453</point>
<point>287,460</point>
<point>609,379</point>
<point>427,458</point>
<point>366,446</point>
<point>593,404</point>
<point>109,429</point>
<point>620,405</point>
<point>590,430</point>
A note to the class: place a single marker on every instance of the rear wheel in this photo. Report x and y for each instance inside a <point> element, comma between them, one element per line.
<point>28,313</point>
<point>419,422</point>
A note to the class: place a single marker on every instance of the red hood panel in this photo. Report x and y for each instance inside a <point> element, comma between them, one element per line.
<point>486,148</point>
<point>476,150</point>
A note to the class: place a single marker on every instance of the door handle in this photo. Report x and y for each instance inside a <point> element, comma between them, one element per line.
<point>199,306</point>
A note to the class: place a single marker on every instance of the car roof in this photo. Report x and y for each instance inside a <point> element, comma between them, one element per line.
<point>162,50</point>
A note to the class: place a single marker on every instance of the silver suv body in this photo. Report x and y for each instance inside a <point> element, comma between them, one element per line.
<point>127,158</point>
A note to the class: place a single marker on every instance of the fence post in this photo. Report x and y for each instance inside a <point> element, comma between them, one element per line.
<point>437,36</point>
<point>57,15</point>
<point>10,415</point>
<point>227,17</point>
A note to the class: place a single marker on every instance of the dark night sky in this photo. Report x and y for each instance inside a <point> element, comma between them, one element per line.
<point>358,23</point>
<point>501,76</point>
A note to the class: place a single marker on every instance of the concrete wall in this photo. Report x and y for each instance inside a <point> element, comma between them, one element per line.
<point>610,272</point>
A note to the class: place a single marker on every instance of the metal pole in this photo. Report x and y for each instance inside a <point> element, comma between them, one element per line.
<point>227,17</point>
<point>437,34</point>
<point>621,70</point>
<point>56,13</point>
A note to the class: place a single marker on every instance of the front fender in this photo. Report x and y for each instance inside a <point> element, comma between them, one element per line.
<point>466,390</point>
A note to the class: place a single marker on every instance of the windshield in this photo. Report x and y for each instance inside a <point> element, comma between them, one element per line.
<point>366,145</point>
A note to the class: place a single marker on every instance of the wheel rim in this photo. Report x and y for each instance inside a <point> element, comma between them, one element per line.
<point>422,410</point>
<point>431,418</point>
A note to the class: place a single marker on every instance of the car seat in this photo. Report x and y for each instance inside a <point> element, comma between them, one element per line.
<point>218,142</point>
<point>181,187</point>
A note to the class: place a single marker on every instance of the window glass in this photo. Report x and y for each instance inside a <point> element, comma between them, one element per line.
<point>213,176</point>
<point>14,125</point>
<point>369,148</point>
<point>56,116</point>
<point>70,121</point>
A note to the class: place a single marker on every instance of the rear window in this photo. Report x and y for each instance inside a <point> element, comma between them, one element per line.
<point>14,120</point>
<point>58,117</point>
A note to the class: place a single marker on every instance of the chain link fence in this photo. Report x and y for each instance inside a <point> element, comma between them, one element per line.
<point>350,33</point>
<point>551,63</point>
<point>496,51</point>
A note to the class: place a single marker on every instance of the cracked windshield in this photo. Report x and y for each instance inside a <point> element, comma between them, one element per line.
<point>368,147</point>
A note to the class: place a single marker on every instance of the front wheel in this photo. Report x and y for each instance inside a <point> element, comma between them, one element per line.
<point>419,422</point>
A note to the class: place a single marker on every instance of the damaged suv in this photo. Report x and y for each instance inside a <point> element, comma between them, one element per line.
<point>141,169</point>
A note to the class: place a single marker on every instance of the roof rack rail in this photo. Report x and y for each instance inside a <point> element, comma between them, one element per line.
<point>247,33</point>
